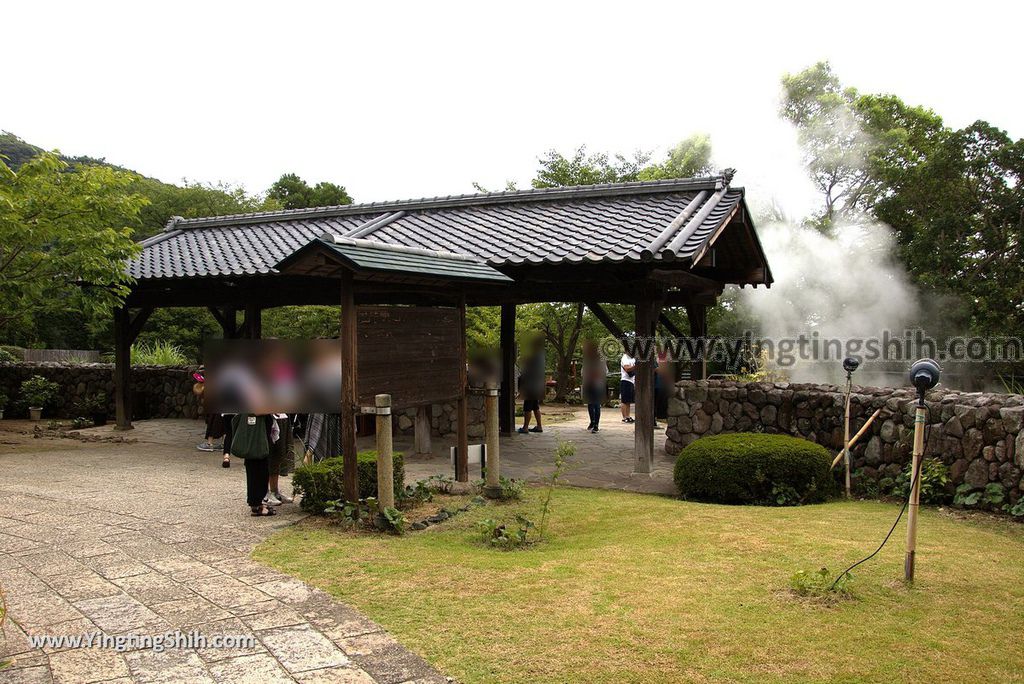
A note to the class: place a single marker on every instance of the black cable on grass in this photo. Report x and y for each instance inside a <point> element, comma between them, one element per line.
<point>903,509</point>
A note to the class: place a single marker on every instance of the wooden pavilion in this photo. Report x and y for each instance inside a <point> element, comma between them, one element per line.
<point>653,245</point>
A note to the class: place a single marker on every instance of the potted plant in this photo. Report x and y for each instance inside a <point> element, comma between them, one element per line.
<point>38,392</point>
<point>95,407</point>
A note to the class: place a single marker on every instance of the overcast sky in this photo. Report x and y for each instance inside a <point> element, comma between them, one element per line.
<point>401,100</point>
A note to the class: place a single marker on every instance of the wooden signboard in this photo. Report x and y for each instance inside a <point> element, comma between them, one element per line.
<point>409,352</point>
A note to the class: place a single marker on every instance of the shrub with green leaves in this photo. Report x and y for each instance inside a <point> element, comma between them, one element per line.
<point>991,496</point>
<point>158,354</point>
<point>754,468</point>
<point>323,482</point>
<point>934,478</point>
<point>38,391</point>
<point>7,356</point>
<point>819,584</point>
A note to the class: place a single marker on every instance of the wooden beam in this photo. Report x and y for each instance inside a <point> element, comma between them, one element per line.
<point>137,321</point>
<point>349,391</point>
<point>605,319</point>
<point>646,313</point>
<point>122,369</point>
<point>698,316</point>
<point>687,281</point>
<point>507,392</point>
<point>462,406</point>
<point>667,323</point>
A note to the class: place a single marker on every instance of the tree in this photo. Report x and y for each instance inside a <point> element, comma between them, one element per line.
<point>557,171</point>
<point>294,193</point>
<point>688,159</point>
<point>192,200</point>
<point>64,238</point>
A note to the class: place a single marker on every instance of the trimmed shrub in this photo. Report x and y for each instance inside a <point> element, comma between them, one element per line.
<point>754,468</point>
<point>322,482</point>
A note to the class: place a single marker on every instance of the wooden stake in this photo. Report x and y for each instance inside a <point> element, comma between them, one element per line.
<point>385,465</point>
<point>920,417</point>
<point>846,433</point>
<point>856,437</point>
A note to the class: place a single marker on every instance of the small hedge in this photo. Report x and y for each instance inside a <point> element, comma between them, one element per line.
<point>322,482</point>
<point>754,468</point>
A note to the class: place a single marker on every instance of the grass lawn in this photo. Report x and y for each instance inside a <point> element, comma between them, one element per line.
<point>635,588</point>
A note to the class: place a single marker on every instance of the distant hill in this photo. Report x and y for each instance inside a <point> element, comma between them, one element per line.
<point>18,152</point>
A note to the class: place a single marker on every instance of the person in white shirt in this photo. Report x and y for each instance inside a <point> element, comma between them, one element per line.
<point>627,386</point>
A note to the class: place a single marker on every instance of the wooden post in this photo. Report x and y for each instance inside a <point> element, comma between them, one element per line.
<point>462,453</point>
<point>643,430</point>
<point>507,397</point>
<point>920,418</point>
<point>385,466</point>
<point>493,470</point>
<point>253,323</point>
<point>421,431</point>
<point>698,316</point>
<point>349,392</point>
<point>122,369</point>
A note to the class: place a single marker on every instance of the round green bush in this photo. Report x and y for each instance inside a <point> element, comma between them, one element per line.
<point>754,468</point>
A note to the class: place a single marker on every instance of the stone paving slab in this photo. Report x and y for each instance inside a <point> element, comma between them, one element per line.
<point>153,537</point>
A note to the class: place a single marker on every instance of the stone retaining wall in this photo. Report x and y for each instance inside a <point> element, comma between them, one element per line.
<point>977,435</point>
<point>157,391</point>
<point>444,418</point>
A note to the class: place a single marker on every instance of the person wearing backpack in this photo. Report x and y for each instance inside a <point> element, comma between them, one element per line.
<point>250,441</point>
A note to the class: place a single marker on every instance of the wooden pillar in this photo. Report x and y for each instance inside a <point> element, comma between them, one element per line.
<point>698,315</point>
<point>462,407</point>
<point>385,466</point>
<point>421,431</point>
<point>253,324</point>
<point>228,320</point>
<point>122,369</point>
<point>643,430</point>
<point>507,395</point>
<point>349,392</point>
<point>493,468</point>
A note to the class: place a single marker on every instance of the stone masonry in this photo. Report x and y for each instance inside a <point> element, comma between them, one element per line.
<point>977,435</point>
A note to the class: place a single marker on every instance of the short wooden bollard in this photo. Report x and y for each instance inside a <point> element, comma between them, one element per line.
<point>385,458</point>
<point>493,474</point>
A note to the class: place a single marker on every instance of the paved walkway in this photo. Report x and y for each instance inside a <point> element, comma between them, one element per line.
<point>153,537</point>
<point>603,460</point>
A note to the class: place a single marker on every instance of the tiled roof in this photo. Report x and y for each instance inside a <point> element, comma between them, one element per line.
<point>375,259</point>
<point>646,221</point>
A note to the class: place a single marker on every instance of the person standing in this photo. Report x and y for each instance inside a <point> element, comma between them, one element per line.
<point>251,440</point>
<point>627,386</point>
<point>280,445</point>
<point>595,382</point>
<point>532,384</point>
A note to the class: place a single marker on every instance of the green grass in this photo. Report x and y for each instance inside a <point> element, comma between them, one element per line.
<point>634,588</point>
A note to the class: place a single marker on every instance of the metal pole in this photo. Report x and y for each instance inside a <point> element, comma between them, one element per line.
<point>920,416</point>
<point>385,463</point>
<point>493,468</point>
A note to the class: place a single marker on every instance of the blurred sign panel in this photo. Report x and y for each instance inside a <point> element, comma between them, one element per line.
<point>411,353</point>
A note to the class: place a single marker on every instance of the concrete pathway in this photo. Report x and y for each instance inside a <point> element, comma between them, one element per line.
<point>153,537</point>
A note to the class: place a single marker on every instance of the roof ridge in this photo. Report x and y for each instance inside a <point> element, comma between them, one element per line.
<point>472,199</point>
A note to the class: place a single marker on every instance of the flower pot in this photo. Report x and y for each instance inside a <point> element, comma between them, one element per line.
<point>35,413</point>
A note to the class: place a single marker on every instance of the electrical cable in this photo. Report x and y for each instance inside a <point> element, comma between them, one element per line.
<point>903,509</point>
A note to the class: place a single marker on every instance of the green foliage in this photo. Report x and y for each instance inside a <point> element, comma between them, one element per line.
<point>418,493</point>
<point>157,354</point>
<point>302,322</point>
<point>511,489</point>
<point>81,423</point>
<point>322,482</point>
<point>92,405</point>
<point>291,192</point>
<point>191,200</point>
<point>38,391</point>
<point>64,237</point>
<point>8,356</point>
<point>690,158</point>
<point>991,496</point>
<point>1016,510</point>
<point>393,520</point>
<point>751,468</point>
<point>935,481</point>
<point>819,584</point>
<point>503,536</point>
<point>563,453</point>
